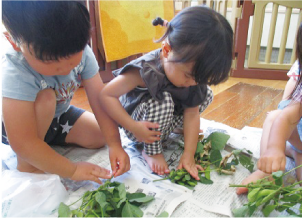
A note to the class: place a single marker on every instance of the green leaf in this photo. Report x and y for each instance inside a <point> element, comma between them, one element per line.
<point>237,152</point>
<point>291,212</point>
<point>240,212</point>
<point>215,157</point>
<point>246,162</point>
<point>199,148</point>
<point>130,210</point>
<point>100,197</point>
<point>248,151</point>
<point>278,177</point>
<point>204,180</point>
<point>130,196</point>
<point>120,202</point>
<point>143,199</point>
<point>235,161</point>
<point>290,198</point>
<point>251,209</point>
<point>163,214</point>
<point>268,209</point>
<point>77,213</point>
<point>114,184</point>
<point>64,210</point>
<point>122,190</point>
<point>218,140</point>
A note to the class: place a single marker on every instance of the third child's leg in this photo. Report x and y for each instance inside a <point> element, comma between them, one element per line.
<point>258,174</point>
<point>45,106</point>
<point>296,151</point>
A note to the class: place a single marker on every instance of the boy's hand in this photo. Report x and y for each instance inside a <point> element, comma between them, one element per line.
<point>119,159</point>
<point>89,171</point>
<point>187,161</point>
<point>272,160</point>
<point>143,132</point>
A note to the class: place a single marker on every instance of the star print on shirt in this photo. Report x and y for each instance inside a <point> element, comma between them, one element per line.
<point>66,128</point>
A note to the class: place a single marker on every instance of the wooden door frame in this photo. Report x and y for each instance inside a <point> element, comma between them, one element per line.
<point>240,42</point>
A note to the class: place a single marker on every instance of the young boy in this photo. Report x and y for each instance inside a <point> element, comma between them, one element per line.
<point>48,61</point>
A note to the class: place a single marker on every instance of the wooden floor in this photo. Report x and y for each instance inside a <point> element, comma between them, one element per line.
<point>237,102</point>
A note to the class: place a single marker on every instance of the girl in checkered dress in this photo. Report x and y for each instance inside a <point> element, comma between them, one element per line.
<point>168,88</point>
<point>282,129</point>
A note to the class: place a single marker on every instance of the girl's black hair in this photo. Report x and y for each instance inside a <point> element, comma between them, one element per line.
<point>299,57</point>
<point>52,29</point>
<point>199,34</point>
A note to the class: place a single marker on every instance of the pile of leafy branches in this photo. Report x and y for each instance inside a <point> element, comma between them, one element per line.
<point>183,177</point>
<point>109,200</point>
<point>208,156</point>
<point>269,195</point>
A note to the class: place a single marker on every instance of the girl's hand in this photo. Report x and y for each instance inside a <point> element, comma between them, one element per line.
<point>187,161</point>
<point>272,160</point>
<point>89,171</point>
<point>143,132</point>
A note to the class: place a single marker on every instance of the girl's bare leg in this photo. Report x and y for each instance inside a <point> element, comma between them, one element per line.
<point>295,141</point>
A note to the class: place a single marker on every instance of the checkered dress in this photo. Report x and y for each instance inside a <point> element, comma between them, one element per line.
<point>162,113</point>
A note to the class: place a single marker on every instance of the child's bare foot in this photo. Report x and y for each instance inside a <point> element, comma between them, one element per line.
<point>251,178</point>
<point>157,163</point>
<point>298,160</point>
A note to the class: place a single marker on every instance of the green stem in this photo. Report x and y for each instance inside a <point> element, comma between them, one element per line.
<point>96,214</point>
<point>160,179</point>
<point>76,201</point>
<point>249,185</point>
<point>292,169</point>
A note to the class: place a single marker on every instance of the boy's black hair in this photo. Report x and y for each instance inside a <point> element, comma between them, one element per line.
<point>201,35</point>
<point>52,29</point>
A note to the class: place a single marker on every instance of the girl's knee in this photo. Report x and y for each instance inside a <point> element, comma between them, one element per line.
<point>271,116</point>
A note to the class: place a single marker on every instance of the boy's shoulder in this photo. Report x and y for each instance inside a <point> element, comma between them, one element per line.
<point>13,59</point>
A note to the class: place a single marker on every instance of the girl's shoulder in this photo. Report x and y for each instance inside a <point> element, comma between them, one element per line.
<point>139,63</point>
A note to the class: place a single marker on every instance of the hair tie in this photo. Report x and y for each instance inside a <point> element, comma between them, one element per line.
<point>160,21</point>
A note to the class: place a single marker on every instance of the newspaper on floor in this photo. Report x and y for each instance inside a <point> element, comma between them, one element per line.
<point>216,200</point>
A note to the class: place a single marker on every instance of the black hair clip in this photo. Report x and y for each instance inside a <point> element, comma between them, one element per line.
<point>159,21</point>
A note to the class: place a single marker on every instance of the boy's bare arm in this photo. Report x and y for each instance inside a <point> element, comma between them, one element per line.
<point>21,128</point>
<point>109,127</point>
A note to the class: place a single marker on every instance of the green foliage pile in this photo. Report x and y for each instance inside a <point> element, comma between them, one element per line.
<point>183,177</point>
<point>109,200</point>
<point>208,154</point>
<point>269,195</point>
